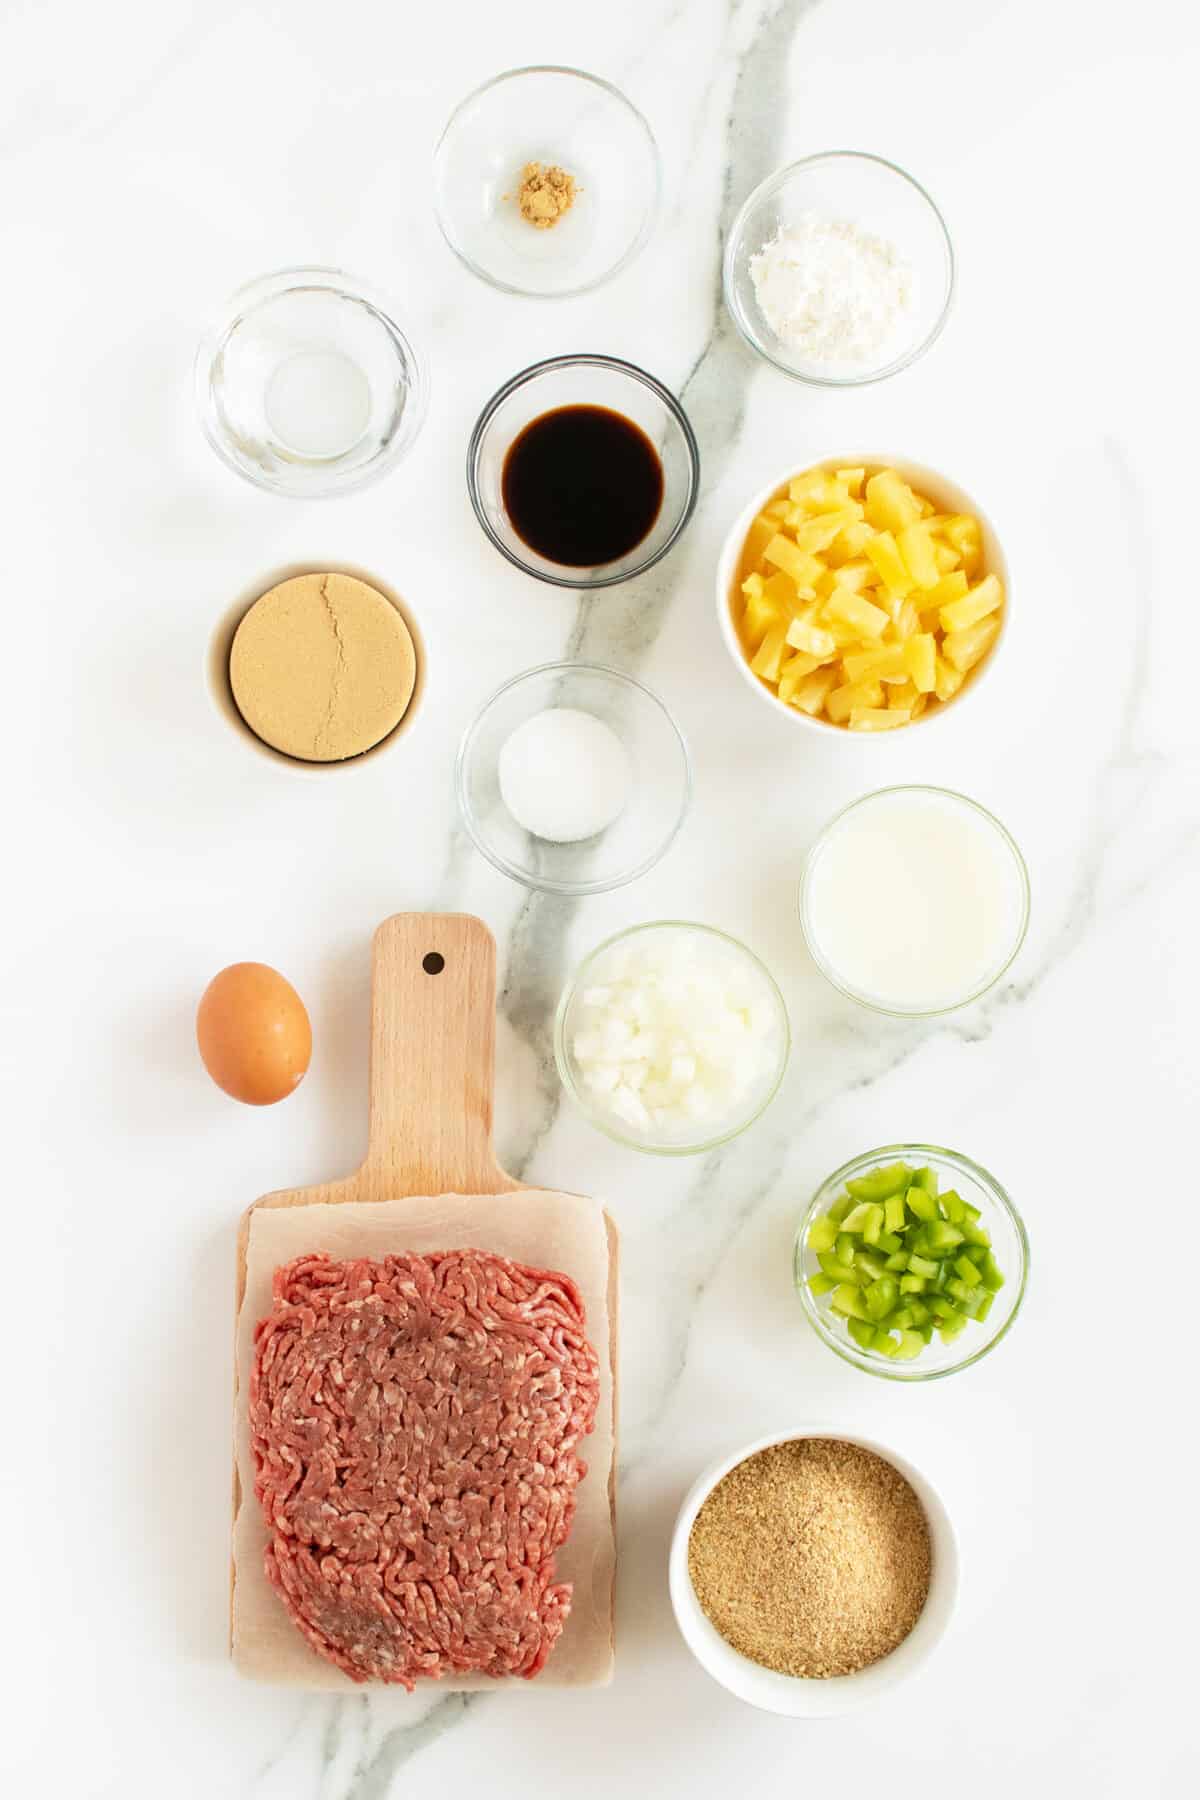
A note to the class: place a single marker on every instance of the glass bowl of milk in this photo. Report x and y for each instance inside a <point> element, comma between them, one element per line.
<point>914,901</point>
<point>307,386</point>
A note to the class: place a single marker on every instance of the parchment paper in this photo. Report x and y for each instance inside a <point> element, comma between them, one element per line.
<point>550,1231</point>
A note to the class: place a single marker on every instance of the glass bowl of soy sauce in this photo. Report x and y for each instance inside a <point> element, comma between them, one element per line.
<point>583,471</point>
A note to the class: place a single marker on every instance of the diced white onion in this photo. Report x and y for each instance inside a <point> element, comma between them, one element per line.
<point>675,1031</point>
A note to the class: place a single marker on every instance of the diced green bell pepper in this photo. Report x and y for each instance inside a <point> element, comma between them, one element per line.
<point>884,1342</point>
<point>839,1270</point>
<point>880,1297</point>
<point>951,1207</point>
<point>967,1271</point>
<point>889,1243</point>
<point>841,1206</point>
<point>898,1261</point>
<point>879,1183</point>
<point>920,1204</point>
<point>950,1330</point>
<point>893,1213</point>
<point>862,1331</point>
<point>989,1270</point>
<point>926,1178</point>
<point>822,1234</point>
<point>920,1265</point>
<point>911,1344</point>
<point>912,1284</point>
<point>821,1283</point>
<point>849,1302</point>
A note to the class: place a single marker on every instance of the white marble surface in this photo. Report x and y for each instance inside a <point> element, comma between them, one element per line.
<point>151,158</point>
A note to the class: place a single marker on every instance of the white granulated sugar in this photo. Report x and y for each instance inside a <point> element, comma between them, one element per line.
<point>832,293</point>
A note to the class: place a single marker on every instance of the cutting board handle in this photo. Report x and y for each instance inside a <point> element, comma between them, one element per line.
<point>433,1054</point>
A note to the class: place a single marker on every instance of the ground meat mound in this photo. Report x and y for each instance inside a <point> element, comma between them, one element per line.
<point>414,1423</point>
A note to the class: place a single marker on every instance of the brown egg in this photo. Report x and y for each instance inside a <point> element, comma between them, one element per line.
<point>253,1033</point>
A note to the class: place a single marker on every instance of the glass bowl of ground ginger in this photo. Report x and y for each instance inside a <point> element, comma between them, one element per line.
<point>546,182</point>
<point>812,1570</point>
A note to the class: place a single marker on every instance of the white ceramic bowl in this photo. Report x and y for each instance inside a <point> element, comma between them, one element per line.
<point>797,1697</point>
<point>947,496</point>
<point>220,691</point>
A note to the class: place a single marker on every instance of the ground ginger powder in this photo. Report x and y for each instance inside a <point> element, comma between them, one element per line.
<point>545,194</point>
<point>812,1557</point>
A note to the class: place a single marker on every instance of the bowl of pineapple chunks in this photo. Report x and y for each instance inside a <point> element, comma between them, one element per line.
<point>863,594</point>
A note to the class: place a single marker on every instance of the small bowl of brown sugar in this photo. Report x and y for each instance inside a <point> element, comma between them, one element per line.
<point>812,1570</point>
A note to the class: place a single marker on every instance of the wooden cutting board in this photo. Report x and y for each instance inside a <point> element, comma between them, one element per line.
<point>430,1180</point>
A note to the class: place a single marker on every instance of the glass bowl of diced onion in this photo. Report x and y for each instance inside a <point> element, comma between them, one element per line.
<point>672,1038</point>
<point>952,1336</point>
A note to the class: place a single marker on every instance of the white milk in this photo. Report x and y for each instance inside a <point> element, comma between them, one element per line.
<point>914,900</point>
<point>318,403</point>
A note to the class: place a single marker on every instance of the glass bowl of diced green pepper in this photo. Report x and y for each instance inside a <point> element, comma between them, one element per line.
<point>911,1262</point>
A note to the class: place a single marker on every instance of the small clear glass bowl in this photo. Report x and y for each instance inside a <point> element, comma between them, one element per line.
<point>758,1098</point>
<point>584,381</point>
<point>306,385</point>
<point>660,790</point>
<point>875,196</point>
<point>1003,961</point>
<point>1010,1246</point>
<point>550,116</point>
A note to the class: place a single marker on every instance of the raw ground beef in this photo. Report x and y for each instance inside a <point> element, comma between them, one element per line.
<point>413,1423</point>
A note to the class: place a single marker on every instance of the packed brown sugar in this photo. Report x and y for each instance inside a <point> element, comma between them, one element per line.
<point>812,1557</point>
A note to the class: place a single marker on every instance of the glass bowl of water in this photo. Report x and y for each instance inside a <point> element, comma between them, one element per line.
<point>307,386</point>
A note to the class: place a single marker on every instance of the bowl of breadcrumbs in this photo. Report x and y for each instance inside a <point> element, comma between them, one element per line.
<point>812,1570</point>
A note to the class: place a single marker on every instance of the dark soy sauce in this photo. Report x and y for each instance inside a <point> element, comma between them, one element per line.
<point>582,485</point>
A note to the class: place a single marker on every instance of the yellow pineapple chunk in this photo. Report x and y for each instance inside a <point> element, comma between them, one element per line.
<point>781,592</point>
<point>871,718</point>
<point>783,554</point>
<point>818,533</point>
<point>768,658</point>
<point>965,648</point>
<point>884,553</point>
<point>907,621</point>
<point>849,608</point>
<point>950,587</point>
<point>920,660</point>
<point>856,574</point>
<point>842,700</point>
<point>757,538</point>
<point>793,673</point>
<point>818,492</point>
<point>883,664</point>
<point>916,549</point>
<point>963,532</point>
<point>777,510</point>
<point>946,557</point>
<point>802,634</point>
<point>987,596</point>
<point>891,503</point>
<point>851,541</point>
<point>902,697</point>
<point>947,681</point>
<point>759,615</point>
<point>812,692</point>
<point>851,480</point>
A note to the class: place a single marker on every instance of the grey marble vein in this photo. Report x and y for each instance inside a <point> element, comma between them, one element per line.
<point>620,629</point>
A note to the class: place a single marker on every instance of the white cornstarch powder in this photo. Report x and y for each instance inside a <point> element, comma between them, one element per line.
<point>831,292</point>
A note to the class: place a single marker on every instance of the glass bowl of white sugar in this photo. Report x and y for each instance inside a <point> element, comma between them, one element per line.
<point>839,269</point>
<point>307,386</point>
<point>573,779</point>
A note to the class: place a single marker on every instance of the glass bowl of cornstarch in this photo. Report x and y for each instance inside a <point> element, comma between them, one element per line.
<point>839,269</point>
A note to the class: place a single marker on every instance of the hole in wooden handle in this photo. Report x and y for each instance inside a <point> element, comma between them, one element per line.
<point>433,963</point>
